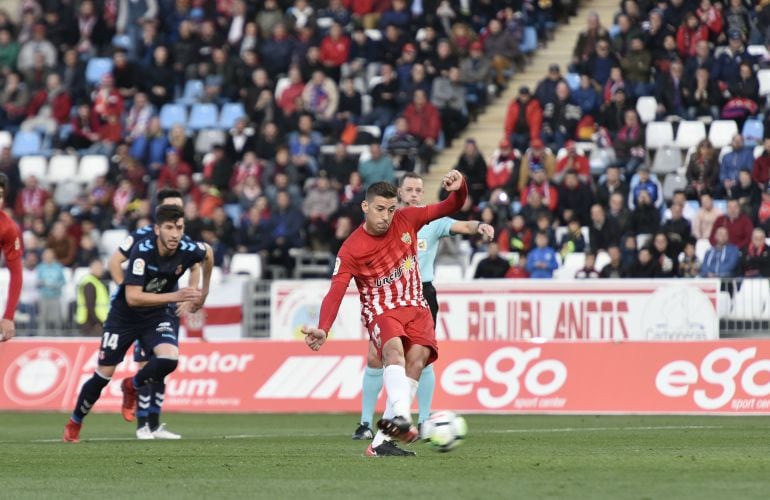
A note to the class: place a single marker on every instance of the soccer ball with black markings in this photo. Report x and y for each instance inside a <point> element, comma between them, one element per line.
<point>444,430</point>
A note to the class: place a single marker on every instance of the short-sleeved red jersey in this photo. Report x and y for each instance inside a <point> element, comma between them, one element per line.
<point>385,267</point>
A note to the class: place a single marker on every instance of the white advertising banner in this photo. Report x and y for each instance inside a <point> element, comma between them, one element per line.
<point>528,309</point>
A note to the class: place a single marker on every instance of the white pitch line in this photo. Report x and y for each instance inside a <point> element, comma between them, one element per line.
<point>483,431</point>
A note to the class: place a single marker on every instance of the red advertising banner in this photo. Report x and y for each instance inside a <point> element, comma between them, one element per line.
<point>730,377</point>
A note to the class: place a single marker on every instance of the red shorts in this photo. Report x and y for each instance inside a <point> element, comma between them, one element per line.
<point>413,324</point>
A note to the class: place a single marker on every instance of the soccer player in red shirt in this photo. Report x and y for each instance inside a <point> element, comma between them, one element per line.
<point>381,255</point>
<point>10,245</point>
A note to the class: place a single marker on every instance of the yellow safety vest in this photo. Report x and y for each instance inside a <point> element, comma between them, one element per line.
<point>102,300</point>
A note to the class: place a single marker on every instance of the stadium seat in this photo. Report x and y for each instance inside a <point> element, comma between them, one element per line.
<point>758,51</point>
<point>26,143</point>
<point>96,68</point>
<point>722,132</point>
<point>62,168</point>
<point>231,112</point>
<point>723,152</point>
<point>689,134</point>
<point>667,160</point>
<point>111,240</point>
<point>528,43</point>
<point>372,130</point>
<point>573,262</point>
<point>602,259</point>
<point>702,246</point>
<point>91,167</point>
<point>673,182</point>
<point>208,138</point>
<point>753,132</point>
<point>573,80</point>
<point>373,35</point>
<point>172,114</point>
<point>246,263</point>
<point>721,205</point>
<point>763,75</point>
<point>6,139</point>
<point>448,273</point>
<point>67,192</point>
<point>647,107</point>
<point>203,115</point>
<point>33,165</point>
<point>758,150</point>
<point>192,93</point>
<point>752,299</point>
<point>659,134</point>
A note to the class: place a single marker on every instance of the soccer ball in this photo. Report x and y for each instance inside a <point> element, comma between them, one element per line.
<point>444,430</point>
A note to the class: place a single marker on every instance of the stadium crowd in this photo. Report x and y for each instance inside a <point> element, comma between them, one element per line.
<point>272,118</point>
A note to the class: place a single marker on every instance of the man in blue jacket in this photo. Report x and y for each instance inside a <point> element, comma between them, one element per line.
<point>722,260</point>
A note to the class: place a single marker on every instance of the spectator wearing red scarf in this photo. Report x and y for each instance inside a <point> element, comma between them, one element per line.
<point>756,256</point>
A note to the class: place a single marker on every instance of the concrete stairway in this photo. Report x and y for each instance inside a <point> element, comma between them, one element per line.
<point>488,129</point>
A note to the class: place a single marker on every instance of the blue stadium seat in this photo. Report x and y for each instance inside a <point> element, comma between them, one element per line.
<point>172,114</point>
<point>203,116</point>
<point>753,132</point>
<point>96,68</point>
<point>193,91</point>
<point>231,112</point>
<point>529,42</point>
<point>26,143</point>
<point>573,80</point>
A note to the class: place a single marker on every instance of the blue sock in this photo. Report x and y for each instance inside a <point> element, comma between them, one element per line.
<point>425,392</point>
<point>372,387</point>
<point>158,390</point>
<point>143,402</point>
<point>89,395</point>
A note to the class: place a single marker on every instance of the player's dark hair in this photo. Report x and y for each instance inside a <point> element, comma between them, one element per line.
<point>382,188</point>
<point>3,182</point>
<point>408,175</point>
<point>168,213</point>
<point>167,193</point>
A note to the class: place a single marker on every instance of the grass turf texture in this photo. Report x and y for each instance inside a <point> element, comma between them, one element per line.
<point>312,456</point>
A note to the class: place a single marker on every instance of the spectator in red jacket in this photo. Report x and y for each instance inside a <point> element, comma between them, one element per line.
<point>710,17</point>
<point>574,160</point>
<point>107,100</point>
<point>174,167</point>
<point>524,120</point>
<point>31,199</point>
<point>738,224</point>
<point>539,183</point>
<point>334,51</point>
<point>761,170</point>
<point>503,168</point>
<point>689,34</point>
<point>425,124</point>
<point>49,107</point>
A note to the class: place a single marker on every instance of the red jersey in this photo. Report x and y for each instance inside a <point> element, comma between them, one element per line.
<point>10,245</point>
<point>385,267</point>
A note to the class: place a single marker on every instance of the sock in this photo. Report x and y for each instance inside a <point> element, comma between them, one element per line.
<point>158,390</point>
<point>397,386</point>
<point>144,397</point>
<point>425,392</point>
<point>89,395</point>
<point>154,371</point>
<point>372,385</point>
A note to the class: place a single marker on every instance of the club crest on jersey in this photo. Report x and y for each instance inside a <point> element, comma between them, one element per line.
<point>406,238</point>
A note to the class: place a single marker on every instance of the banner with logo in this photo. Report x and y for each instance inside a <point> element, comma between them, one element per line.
<point>731,377</point>
<point>528,309</point>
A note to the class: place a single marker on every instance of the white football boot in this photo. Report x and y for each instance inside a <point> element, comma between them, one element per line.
<point>162,433</point>
<point>144,432</point>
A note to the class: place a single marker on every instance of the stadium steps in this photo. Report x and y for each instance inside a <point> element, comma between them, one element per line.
<point>488,129</point>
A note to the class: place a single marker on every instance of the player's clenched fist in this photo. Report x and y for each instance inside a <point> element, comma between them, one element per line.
<point>452,180</point>
<point>314,337</point>
<point>7,330</point>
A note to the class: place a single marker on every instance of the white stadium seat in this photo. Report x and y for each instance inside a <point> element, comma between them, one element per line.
<point>722,132</point>
<point>689,134</point>
<point>62,168</point>
<point>659,134</point>
<point>111,240</point>
<point>91,167</point>
<point>763,75</point>
<point>647,107</point>
<point>246,263</point>
<point>33,165</point>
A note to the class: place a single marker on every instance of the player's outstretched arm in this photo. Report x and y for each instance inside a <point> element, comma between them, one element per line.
<point>208,267</point>
<point>472,228</point>
<point>136,297</point>
<point>455,184</point>
<point>343,272</point>
<point>12,251</point>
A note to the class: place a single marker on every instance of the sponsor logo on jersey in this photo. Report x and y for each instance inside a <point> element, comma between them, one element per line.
<point>138,267</point>
<point>408,264</point>
<point>156,285</point>
<point>127,243</point>
<point>337,263</point>
<point>406,238</point>
<point>387,280</point>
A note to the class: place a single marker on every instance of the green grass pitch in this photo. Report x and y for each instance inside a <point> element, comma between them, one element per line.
<point>312,456</point>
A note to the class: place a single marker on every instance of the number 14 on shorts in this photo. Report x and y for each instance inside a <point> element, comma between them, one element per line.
<point>110,341</point>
